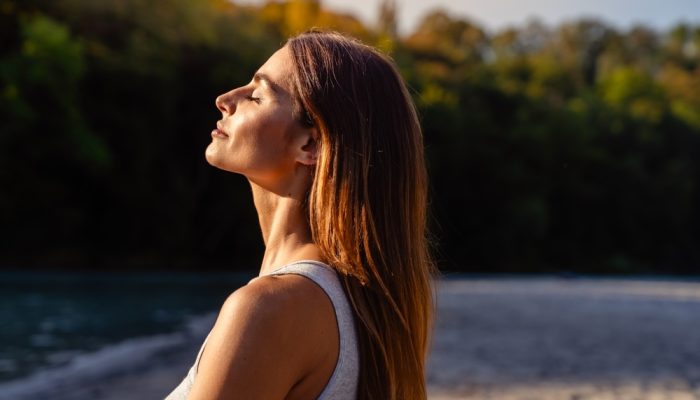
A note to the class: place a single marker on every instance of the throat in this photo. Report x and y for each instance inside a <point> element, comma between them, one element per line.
<point>284,228</point>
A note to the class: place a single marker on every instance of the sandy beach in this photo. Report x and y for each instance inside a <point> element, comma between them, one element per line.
<point>519,339</point>
<point>547,339</point>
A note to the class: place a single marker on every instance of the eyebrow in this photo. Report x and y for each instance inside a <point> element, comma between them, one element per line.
<point>262,77</point>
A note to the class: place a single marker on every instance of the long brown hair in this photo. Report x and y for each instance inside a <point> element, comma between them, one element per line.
<point>367,204</point>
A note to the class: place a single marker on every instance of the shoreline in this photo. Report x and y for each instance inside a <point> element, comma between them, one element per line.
<point>151,363</point>
<point>508,339</point>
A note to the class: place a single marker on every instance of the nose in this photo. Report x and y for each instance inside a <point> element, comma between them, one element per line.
<point>226,102</point>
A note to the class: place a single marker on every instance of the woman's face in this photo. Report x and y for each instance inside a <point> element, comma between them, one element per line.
<point>258,135</point>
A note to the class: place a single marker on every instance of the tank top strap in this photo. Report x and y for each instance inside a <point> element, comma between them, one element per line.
<point>199,355</point>
<point>343,382</point>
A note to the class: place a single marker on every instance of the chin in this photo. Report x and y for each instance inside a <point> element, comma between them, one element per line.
<point>218,160</point>
<point>210,155</point>
<point>213,157</point>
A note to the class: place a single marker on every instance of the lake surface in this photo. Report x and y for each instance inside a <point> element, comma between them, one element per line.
<point>51,319</point>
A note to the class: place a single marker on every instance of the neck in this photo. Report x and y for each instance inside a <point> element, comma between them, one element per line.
<point>284,228</point>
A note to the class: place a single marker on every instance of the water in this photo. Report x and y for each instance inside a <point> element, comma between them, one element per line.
<point>50,320</point>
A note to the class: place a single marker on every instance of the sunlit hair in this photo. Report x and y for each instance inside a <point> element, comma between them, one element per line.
<point>367,203</point>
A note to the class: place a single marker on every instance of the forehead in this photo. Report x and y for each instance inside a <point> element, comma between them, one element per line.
<point>277,70</point>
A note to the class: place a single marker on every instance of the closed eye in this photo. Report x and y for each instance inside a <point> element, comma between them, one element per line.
<point>251,98</point>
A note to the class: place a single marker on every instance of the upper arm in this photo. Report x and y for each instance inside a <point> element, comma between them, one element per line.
<point>252,351</point>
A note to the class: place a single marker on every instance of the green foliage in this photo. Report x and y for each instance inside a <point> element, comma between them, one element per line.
<point>635,93</point>
<point>40,93</point>
<point>53,57</point>
<point>566,148</point>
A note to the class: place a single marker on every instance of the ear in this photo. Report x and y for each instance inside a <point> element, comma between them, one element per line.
<point>307,153</point>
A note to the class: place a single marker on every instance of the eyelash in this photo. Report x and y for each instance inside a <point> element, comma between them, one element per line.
<point>255,99</point>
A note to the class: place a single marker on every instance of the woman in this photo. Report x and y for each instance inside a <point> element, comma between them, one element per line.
<point>328,138</point>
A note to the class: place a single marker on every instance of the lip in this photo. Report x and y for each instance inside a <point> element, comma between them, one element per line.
<point>218,131</point>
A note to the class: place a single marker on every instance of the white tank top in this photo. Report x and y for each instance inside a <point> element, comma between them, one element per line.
<point>343,382</point>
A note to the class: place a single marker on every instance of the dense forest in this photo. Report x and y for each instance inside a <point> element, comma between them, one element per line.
<point>573,148</point>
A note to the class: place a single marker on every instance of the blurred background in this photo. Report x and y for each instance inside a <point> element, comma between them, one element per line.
<point>563,146</point>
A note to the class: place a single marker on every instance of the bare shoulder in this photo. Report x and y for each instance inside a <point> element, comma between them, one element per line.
<point>282,293</point>
<point>280,302</point>
<point>269,335</point>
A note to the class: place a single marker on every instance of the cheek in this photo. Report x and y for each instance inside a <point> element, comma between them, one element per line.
<point>256,144</point>
<point>258,137</point>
